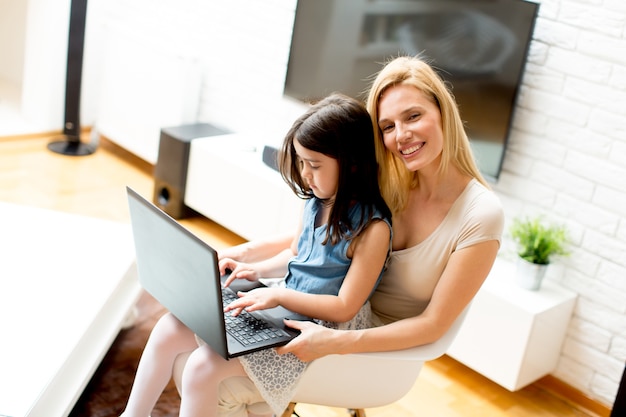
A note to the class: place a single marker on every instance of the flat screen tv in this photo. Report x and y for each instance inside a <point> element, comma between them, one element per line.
<point>478,46</point>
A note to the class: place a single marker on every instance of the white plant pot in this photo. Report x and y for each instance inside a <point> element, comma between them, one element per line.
<point>529,275</point>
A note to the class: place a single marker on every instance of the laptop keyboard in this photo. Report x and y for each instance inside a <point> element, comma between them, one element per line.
<point>246,328</point>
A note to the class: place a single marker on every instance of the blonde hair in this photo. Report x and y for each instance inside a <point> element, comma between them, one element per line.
<point>394,178</point>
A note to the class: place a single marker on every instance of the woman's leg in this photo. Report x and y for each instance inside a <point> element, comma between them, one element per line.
<point>168,339</point>
<point>202,376</point>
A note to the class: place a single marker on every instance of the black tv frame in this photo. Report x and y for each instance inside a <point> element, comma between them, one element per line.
<point>329,48</point>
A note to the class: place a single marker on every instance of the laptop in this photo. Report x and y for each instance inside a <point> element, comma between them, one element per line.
<point>181,272</point>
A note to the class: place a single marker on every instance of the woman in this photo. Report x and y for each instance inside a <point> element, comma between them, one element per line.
<point>447,224</point>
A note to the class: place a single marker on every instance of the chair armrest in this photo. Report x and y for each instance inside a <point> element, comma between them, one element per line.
<point>423,353</point>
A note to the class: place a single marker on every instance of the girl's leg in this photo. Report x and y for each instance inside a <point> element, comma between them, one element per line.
<point>202,375</point>
<point>168,339</point>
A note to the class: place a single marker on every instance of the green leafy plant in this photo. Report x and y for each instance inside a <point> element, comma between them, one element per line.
<point>537,242</point>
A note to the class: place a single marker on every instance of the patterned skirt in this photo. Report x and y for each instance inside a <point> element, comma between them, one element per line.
<point>276,376</point>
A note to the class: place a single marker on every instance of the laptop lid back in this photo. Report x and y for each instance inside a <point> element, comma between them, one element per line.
<point>179,270</point>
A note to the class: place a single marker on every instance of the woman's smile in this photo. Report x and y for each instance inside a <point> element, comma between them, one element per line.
<point>412,149</point>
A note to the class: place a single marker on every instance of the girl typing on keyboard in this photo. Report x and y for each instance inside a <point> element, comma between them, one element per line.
<point>330,270</point>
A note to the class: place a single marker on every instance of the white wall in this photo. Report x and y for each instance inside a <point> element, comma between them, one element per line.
<point>240,46</point>
<point>12,36</point>
<point>567,159</point>
<point>567,155</point>
<point>45,58</point>
<point>33,45</point>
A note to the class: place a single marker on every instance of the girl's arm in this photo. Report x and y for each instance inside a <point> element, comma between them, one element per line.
<point>274,267</point>
<point>466,271</point>
<point>369,253</point>
<point>282,248</point>
<point>257,250</point>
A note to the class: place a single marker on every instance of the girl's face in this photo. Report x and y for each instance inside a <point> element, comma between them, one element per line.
<point>411,127</point>
<point>321,172</point>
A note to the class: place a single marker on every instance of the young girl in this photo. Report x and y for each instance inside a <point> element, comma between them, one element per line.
<point>330,269</point>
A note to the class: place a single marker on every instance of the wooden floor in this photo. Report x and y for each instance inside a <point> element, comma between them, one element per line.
<point>94,185</point>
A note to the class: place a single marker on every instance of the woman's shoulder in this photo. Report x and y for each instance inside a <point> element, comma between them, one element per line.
<point>480,209</point>
<point>481,197</point>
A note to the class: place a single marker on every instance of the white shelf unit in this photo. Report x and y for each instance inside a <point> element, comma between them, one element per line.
<point>228,182</point>
<point>511,335</point>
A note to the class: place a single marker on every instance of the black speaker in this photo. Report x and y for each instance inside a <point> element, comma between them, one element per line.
<point>71,144</point>
<point>170,171</point>
<point>270,157</point>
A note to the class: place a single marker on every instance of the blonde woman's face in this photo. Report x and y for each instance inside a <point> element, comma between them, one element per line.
<point>411,127</point>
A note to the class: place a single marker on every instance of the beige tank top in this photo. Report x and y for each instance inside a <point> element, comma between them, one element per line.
<point>408,284</point>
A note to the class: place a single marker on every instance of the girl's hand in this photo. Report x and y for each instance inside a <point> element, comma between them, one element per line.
<point>239,270</point>
<point>257,299</point>
<point>312,343</point>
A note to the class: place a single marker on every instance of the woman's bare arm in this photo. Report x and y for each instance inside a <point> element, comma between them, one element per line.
<point>466,271</point>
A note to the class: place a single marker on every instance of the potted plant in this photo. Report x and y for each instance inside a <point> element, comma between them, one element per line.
<point>536,243</point>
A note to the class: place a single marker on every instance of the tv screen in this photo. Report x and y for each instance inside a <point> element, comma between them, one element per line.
<point>478,46</point>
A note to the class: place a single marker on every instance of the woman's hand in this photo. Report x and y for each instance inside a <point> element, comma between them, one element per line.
<point>313,342</point>
<point>239,270</point>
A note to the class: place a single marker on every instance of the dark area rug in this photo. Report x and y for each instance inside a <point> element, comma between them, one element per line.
<point>107,392</point>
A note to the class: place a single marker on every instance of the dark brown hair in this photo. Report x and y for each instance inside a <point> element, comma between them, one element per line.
<point>340,127</point>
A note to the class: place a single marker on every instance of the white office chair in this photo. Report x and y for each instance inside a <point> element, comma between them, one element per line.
<point>360,380</point>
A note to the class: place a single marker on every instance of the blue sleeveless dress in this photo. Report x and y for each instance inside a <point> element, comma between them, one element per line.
<point>318,269</point>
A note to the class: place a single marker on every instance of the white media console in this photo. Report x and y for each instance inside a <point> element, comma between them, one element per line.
<point>228,182</point>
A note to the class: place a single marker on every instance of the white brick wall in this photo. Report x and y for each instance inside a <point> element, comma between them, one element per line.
<point>569,142</point>
<point>567,154</point>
